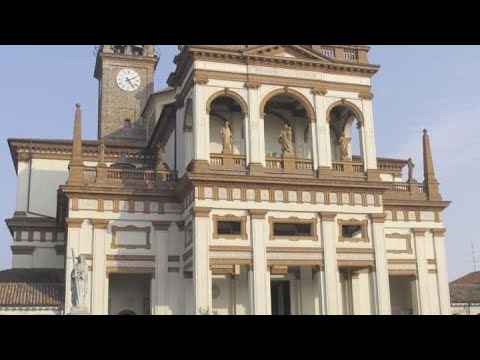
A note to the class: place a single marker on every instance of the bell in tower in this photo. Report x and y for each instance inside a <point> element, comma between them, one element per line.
<point>137,50</point>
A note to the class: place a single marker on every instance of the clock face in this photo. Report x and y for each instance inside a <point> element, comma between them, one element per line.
<point>128,80</point>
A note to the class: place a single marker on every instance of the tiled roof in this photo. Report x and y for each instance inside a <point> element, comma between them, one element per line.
<point>466,289</point>
<point>472,278</point>
<point>31,288</point>
<point>465,293</point>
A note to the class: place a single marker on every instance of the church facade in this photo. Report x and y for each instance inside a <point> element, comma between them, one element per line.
<point>251,185</point>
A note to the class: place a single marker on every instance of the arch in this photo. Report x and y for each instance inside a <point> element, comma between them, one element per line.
<point>341,134</point>
<point>356,111</point>
<point>228,93</point>
<point>297,95</point>
<point>126,312</point>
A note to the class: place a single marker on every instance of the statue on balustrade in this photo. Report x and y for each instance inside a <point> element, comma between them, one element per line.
<point>411,166</point>
<point>161,158</point>
<point>227,138</point>
<point>286,140</point>
<point>344,143</point>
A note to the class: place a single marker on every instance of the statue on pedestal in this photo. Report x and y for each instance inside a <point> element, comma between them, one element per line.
<point>160,158</point>
<point>79,285</point>
<point>286,140</point>
<point>227,138</point>
<point>344,143</point>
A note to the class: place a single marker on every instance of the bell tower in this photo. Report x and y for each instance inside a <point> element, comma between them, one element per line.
<point>125,74</point>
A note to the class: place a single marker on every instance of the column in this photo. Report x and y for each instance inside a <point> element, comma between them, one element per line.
<point>422,268</point>
<point>442,274</point>
<point>251,290</point>
<point>256,135</point>
<point>308,298</point>
<point>261,276</point>
<point>323,131</point>
<point>330,261</point>
<point>202,279</point>
<point>99,253</point>
<point>368,134</point>
<point>201,126</point>
<point>320,291</point>
<point>381,266</point>
<point>74,234</point>
<point>161,266</point>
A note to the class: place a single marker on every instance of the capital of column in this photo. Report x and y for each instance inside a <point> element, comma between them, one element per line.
<point>100,223</point>
<point>258,214</point>
<point>438,232</point>
<point>74,223</point>
<point>328,216</point>
<point>419,232</point>
<point>200,212</point>
<point>161,225</point>
<point>378,218</point>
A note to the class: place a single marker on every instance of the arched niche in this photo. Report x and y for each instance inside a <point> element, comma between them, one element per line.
<point>345,139</point>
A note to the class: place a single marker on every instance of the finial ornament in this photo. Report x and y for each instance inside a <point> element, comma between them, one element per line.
<point>425,131</point>
<point>78,105</point>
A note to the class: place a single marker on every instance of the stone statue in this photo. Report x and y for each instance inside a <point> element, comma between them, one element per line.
<point>227,138</point>
<point>286,140</point>
<point>411,166</point>
<point>344,143</point>
<point>160,157</point>
<point>101,152</point>
<point>79,284</point>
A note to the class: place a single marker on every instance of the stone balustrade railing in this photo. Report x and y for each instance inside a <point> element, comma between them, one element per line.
<point>97,174</point>
<point>228,161</point>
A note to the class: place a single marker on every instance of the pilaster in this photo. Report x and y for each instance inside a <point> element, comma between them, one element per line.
<point>422,268</point>
<point>368,134</point>
<point>202,279</point>
<point>201,126</point>
<point>330,261</point>
<point>256,133</point>
<point>161,266</point>
<point>99,254</point>
<point>442,274</point>
<point>381,266</point>
<point>261,276</point>
<point>322,130</point>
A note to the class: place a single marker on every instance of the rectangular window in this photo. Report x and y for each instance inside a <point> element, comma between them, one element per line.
<point>229,227</point>
<point>292,229</point>
<point>352,231</point>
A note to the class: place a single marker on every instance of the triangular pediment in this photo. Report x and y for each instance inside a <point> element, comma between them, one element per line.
<point>286,51</point>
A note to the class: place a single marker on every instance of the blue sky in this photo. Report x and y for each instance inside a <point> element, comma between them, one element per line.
<point>434,87</point>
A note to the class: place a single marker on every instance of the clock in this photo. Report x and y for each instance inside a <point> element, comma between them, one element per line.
<point>128,80</point>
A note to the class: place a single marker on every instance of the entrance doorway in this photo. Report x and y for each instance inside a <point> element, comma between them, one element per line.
<point>403,297</point>
<point>129,294</point>
<point>280,295</point>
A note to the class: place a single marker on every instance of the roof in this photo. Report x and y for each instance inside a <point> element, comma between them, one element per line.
<point>466,289</point>
<point>472,278</point>
<point>32,288</point>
